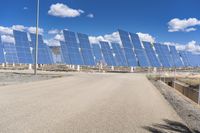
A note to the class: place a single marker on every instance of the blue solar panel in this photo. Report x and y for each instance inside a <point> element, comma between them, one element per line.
<point>154,62</point>
<point>175,56</point>
<point>97,53</point>
<point>73,48</point>
<point>184,57</point>
<point>65,53</point>
<point>128,48</point>
<point>192,59</point>
<point>2,58</point>
<point>119,55</point>
<point>10,53</point>
<point>167,53</point>
<point>86,50</point>
<point>23,47</point>
<point>163,54</point>
<point>107,53</point>
<point>44,55</point>
<point>139,51</point>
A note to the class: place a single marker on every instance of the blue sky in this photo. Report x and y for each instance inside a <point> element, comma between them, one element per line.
<point>106,16</point>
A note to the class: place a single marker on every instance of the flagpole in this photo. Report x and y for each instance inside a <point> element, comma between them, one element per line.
<point>36,40</point>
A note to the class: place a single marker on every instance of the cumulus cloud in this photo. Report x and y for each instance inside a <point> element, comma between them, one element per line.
<point>52,42</point>
<point>62,10</point>
<point>146,37</point>
<point>90,15</point>
<point>54,31</point>
<point>113,37</point>
<point>33,30</point>
<point>6,30</point>
<point>7,39</point>
<point>191,46</point>
<point>185,25</point>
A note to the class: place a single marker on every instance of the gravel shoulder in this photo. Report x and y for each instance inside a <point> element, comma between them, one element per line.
<point>186,109</point>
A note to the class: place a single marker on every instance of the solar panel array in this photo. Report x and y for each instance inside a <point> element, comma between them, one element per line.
<point>10,53</point>
<point>163,54</point>
<point>43,50</point>
<point>97,54</point>
<point>128,48</point>
<point>76,49</point>
<point>153,59</point>
<point>107,53</point>
<point>2,58</point>
<point>176,57</point>
<point>119,55</point>
<point>139,51</point>
<point>86,50</point>
<point>23,47</point>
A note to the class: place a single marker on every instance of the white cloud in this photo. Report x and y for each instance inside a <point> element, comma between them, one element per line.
<point>7,39</point>
<point>33,30</point>
<point>62,10</point>
<point>54,31</point>
<point>6,30</point>
<point>113,37</point>
<point>59,37</point>
<point>191,46</point>
<point>18,27</point>
<point>146,37</point>
<point>185,25</point>
<point>90,15</point>
<point>52,42</point>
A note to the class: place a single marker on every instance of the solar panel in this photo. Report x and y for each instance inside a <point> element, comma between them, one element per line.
<point>73,48</point>
<point>128,48</point>
<point>86,50</point>
<point>23,47</point>
<point>175,56</point>
<point>119,55</point>
<point>65,53</point>
<point>154,62</point>
<point>97,53</point>
<point>107,53</point>
<point>44,55</point>
<point>10,53</point>
<point>184,57</point>
<point>2,58</point>
<point>167,53</point>
<point>139,51</point>
<point>162,54</point>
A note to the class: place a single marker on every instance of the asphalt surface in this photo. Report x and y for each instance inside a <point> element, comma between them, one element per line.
<point>84,103</point>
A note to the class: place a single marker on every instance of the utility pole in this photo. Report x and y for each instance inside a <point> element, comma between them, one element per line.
<point>36,40</point>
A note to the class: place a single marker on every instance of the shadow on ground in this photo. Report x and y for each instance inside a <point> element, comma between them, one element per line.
<point>169,126</point>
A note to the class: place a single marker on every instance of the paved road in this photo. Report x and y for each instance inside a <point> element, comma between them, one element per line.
<point>83,103</point>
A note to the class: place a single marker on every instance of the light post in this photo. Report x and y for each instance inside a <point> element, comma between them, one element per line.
<point>36,40</point>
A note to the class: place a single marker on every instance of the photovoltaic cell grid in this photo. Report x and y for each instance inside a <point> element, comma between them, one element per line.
<point>65,53</point>
<point>128,48</point>
<point>97,54</point>
<point>73,48</point>
<point>107,53</point>
<point>184,57</point>
<point>154,62</point>
<point>44,55</point>
<point>2,58</point>
<point>175,57</point>
<point>162,55</point>
<point>166,52</point>
<point>10,53</point>
<point>139,51</point>
<point>22,47</point>
<point>86,50</point>
<point>119,55</point>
